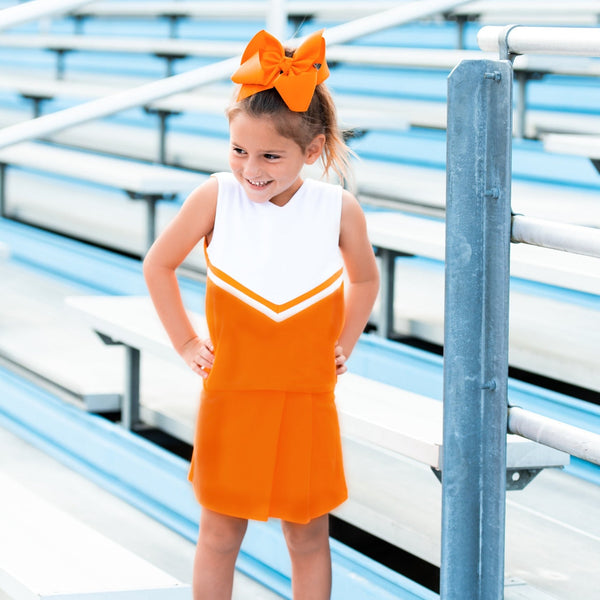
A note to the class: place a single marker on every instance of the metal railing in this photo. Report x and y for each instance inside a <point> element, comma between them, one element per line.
<point>479,229</point>
<point>537,40</point>
<point>36,9</point>
<point>559,236</point>
<point>141,95</point>
<point>517,39</point>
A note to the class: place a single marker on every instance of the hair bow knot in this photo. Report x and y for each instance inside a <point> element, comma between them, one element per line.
<point>264,66</point>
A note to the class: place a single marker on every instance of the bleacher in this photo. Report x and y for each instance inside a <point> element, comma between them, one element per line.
<point>80,207</point>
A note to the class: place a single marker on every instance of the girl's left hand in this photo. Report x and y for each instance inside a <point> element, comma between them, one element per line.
<point>199,355</point>
<point>340,361</point>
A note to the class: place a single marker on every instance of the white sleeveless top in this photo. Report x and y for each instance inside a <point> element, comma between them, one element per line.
<point>280,254</point>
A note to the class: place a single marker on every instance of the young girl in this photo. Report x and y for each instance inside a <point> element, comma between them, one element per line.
<point>282,318</point>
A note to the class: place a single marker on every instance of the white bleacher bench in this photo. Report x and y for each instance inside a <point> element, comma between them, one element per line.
<point>418,58</point>
<point>356,112</point>
<point>404,310</point>
<point>320,9</point>
<point>46,554</point>
<point>140,181</point>
<point>423,190</point>
<point>354,116</point>
<point>371,412</point>
<point>169,49</point>
<point>396,234</point>
<point>536,12</point>
<point>576,144</point>
<point>38,89</point>
<point>526,67</point>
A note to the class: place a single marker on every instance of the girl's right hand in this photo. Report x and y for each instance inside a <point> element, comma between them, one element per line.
<point>199,356</point>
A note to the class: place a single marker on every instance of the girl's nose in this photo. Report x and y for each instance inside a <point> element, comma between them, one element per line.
<point>252,167</point>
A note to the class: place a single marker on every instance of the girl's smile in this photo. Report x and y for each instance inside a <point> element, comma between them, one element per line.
<point>267,164</point>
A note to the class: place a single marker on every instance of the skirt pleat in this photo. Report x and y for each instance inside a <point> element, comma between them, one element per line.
<point>261,454</point>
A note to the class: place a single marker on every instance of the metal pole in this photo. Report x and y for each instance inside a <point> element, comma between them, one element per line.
<point>476,330</point>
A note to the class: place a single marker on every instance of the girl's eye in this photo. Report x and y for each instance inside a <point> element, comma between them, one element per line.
<point>239,150</point>
<point>272,156</point>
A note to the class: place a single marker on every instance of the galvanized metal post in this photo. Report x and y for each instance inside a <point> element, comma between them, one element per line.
<point>476,330</point>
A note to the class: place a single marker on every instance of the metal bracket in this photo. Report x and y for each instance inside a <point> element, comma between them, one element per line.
<point>107,339</point>
<point>516,479</point>
<point>503,52</point>
<point>437,473</point>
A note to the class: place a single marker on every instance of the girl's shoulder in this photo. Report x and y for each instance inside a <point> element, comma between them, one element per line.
<point>224,177</point>
<point>352,212</point>
<point>324,186</point>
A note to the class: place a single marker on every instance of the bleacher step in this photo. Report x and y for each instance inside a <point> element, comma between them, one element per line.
<point>48,554</point>
<point>127,526</point>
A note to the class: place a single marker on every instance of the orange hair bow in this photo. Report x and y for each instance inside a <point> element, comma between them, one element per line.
<point>264,66</point>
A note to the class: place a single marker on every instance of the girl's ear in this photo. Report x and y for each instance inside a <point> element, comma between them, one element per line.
<point>314,149</point>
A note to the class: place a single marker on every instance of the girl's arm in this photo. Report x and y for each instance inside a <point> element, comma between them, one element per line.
<point>194,221</point>
<point>362,283</point>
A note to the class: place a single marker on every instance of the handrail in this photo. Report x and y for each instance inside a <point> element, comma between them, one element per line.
<point>138,96</point>
<point>35,9</point>
<point>277,18</point>
<point>518,39</point>
<point>577,239</point>
<point>513,40</point>
<point>575,441</point>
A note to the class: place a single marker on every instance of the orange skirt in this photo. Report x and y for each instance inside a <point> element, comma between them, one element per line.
<point>261,454</point>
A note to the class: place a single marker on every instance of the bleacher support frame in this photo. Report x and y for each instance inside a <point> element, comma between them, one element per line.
<point>478,235</point>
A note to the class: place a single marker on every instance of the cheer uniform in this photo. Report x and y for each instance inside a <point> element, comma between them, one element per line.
<point>267,440</point>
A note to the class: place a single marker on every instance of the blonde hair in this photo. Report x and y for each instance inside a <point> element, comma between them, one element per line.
<point>302,127</point>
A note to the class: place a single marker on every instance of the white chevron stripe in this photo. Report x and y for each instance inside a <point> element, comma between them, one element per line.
<point>278,317</point>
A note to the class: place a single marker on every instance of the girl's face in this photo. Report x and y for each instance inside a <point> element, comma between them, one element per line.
<point>267,164</point>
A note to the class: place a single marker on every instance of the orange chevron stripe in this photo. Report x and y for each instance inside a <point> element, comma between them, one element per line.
<point>277,308</point>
